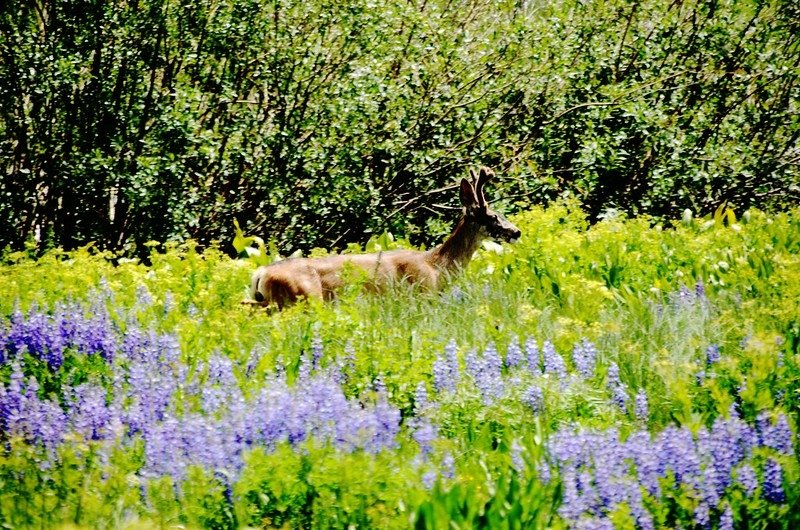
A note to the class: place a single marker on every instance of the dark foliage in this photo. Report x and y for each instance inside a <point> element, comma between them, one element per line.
<point>317,123</point>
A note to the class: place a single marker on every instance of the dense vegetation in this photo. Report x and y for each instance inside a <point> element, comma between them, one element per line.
<point>627,375</point>
<point>316,122</point>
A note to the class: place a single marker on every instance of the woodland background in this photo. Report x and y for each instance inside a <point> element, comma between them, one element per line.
<point>320,122</point>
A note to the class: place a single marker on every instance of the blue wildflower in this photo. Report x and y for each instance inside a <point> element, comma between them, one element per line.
<point>532,355</point>
<point>700,290</point>
<point>445,369</point>
<point>491,359</point>
<point>420,398</point>
<point>726,519</point>
<point>429,479</point>
<point>316,352</point>
<point>773,481</point>
<point>518,456</point>
<point>572,503</point>
<point>746,478</point>
<point>777,436</point>
<point>448,466</point>
<point>23,414</point>
<point>594,523</point>
<point>513,353</point>
<point>702,515</point>
<point>642,450</point>
<point>584,356</point>
<point>425,435</point>
<point>486,373</point>
<point>533,398</point>
<point>89,414</point>
<point>640,406</point>
<point>712,355</point>
<point>619,394</point>
<point>553,362</point>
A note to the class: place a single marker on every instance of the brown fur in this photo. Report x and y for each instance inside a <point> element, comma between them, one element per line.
<point>285,282</point>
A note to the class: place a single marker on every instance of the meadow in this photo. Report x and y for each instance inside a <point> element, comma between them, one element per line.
<point>633,373</point>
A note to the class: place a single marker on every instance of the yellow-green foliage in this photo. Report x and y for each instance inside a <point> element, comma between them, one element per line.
<point>620,283</point>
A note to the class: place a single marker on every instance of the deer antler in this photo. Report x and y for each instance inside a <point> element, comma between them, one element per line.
<point>485,176</point>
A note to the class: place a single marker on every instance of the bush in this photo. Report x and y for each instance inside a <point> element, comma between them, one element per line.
<point>316,123</point>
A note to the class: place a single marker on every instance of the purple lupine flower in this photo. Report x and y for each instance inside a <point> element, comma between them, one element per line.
<point>154,375</point>
<point>252,362</point>
<point>572,505</point>
<point>553,362</point>
<point>345,364</point>
<point>700,290</point>
<point>610,469</point>
<point>726,519</point>
<point>429,479</point>
<point>143,297</point>
<point>642,450</point>
<point>533,398</point>
<point>169,302</point>
<point>445,369</point>
<point>305,368</point>
<point>12,399</point>
<point>23,414</point>
<point>712,355</point>
<point>676,449</point>
<point>777,436</point>
<point>543,472</point>
<point>387,426</point>
<point>532,355</point>
<point>640,407</point>
<point>746,478</point>
<point>773,481</point>
<point>588,492</point>
<point>685,296</point>
<point>491,359</point>
<point>89,414</point>
<point>594,523</point>
<point>162,443</point>
<point>425,435</point>
<point>39,335</point>
<point>702,515</point>
<point>48,423</point>
<point>708,482</point>
<point>518,456</point>
<point>448,466</point>
<point>619,394</point>
<point>636,503</point>
<point>730,442</point>
<point>420,398</point>
<point>486,373</point>
<point>700,377</point>
<point>584,356</point>
<point>316,352</point>
<point>456,294</point>
<point>221,386</point>
<point>513,353</point>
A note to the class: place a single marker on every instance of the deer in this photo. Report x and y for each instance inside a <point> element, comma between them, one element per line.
<point>285,282</point>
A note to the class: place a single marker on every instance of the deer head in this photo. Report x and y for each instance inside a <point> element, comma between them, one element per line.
<point>492,224</point>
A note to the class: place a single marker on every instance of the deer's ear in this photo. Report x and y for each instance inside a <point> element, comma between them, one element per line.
<point>467,194</point>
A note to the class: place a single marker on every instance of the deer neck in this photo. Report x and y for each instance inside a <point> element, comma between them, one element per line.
<point>458,249</point>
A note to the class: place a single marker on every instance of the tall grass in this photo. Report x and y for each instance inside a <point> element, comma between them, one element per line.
<point>628,374</point>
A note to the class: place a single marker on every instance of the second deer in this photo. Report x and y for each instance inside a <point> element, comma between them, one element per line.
<point>285,282</point>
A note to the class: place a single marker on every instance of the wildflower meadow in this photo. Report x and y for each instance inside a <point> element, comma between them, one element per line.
<point>635,373</point>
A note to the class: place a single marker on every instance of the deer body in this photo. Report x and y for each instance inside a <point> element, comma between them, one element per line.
<point>284,282</point>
